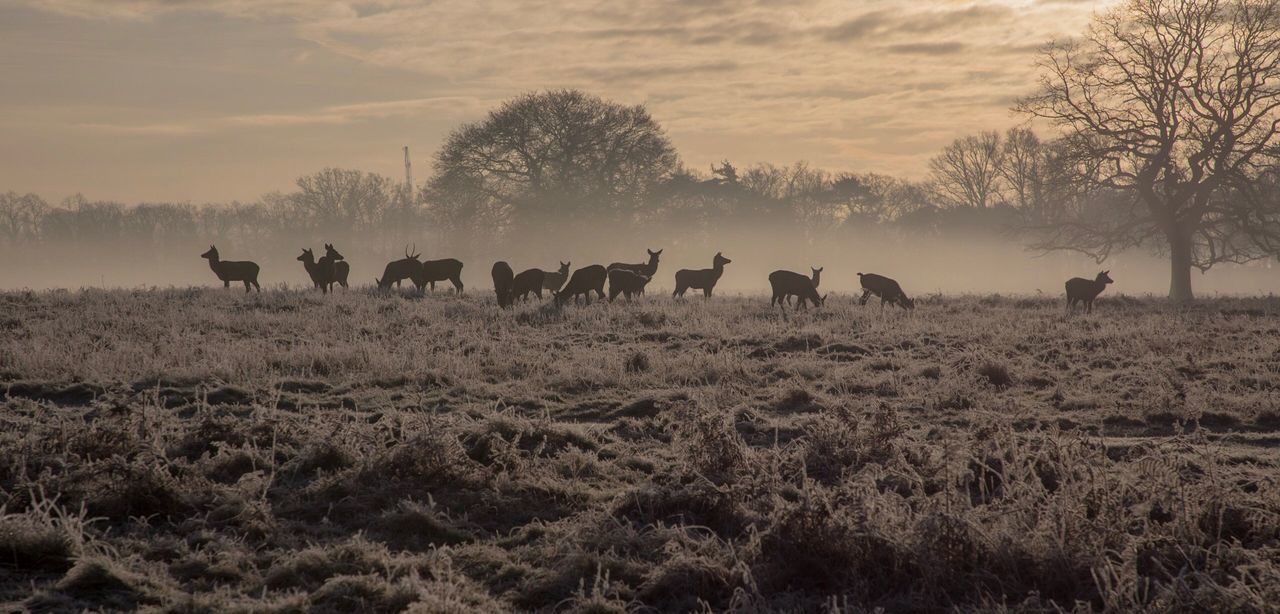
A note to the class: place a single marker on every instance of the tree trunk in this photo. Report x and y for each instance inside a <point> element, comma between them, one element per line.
<point>1180,271</point>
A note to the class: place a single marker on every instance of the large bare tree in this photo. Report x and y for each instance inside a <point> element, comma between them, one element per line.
<point>549,159</point>
<point>1175,104</point>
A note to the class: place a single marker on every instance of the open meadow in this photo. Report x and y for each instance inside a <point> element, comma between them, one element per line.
<point>204,450</point>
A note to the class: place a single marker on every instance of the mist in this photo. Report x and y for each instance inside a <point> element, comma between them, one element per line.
<point>968,263</point>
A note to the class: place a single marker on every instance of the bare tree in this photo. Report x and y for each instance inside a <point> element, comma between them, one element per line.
<point>967,172</point>
<point>337,200</point>
<point>548,158</point>
<point>20,216</point>
<point>1021,165</point>
<point>1174,103</point>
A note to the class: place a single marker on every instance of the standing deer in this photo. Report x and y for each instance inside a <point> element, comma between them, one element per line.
<point>816,279</point>
<point>229,271</point>
<point>399,270</point>
<point>626,282</point>
<point>441,270</point>
<point>554,281</point>
<point>646,270</point>
<point>701,279</point>
<point>321,272</point>
<point>529,281</point>
<point>502,280</point>
<point>887,289</point>
<point>789,283</point>
<point>339,264</point>
<point>584,281</point>
<point>1084,290</point>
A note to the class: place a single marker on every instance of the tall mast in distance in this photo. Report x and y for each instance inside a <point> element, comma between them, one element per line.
<point>408,175</point>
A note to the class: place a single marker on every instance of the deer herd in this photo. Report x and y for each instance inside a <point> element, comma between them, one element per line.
<point>627,280</point>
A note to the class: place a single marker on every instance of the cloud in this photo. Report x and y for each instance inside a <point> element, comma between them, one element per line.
<point>816,76</point>
<point>941,48</point>
<point>333,115</point>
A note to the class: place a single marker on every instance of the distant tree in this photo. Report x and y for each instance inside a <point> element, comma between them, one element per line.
<point>550,158</point>
<point>20,216</point>
<point>337,200</point>
<point>967,171</point>
<point>1022,166</point>
<point>1173,103</point>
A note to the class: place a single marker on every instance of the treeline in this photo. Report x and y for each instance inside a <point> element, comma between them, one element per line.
<point>798,202</point>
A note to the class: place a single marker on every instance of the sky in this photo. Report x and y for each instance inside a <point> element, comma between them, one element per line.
<point>219,100</point>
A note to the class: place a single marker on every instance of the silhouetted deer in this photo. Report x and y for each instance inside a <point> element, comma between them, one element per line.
<point>887,289</point>
<point>626,282</point>
<point>647,270</point>
<point>1080,289</point>
<point>701,279</point>
<point>229,271</point>
<point>554,281</point>
<point>442,270</point>
<point>584,281</point>
<point>502,281</point>
<point>530,281</point>
<point>339,263</point>
<point>817,279</point>
<point>321,272</point>
<point>790,283</point>
<point>399,270</point>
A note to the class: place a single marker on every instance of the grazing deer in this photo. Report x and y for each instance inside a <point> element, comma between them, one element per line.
<point>701,279</point>
<point>399,270</point>
<point>530,281</point>
<point>584,281</point>
<point>321,272</point>
<point>229,271</point>
<point>887,289</point>
<point>626,282</point>
<point>789,283</point>
<point>502,280</point>
<point>647,270</point>
<point>339,263</point>
<point>816,279</point>
<point>1084,290</point>
<point>554,281</point>
<point>442,270</point>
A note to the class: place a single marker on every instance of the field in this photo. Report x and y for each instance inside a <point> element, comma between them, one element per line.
<point>202,450</point>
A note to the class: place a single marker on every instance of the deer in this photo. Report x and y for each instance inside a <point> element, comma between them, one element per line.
<point>701,279</point>
<point>554,281</point>
<point>339,263</point>
<point>229,271</point>
<point>1084,290</point>
<point>584,281</point>
<point>816,279</point>
<point>502,280</point>
<point>626,282</point>
<point>527,282</point>
<point>647,270</point>
<point>441,270</point>
<point>887,289</point>
<point>321,272</point>
<point>399,270</point>
<point>790,283</point>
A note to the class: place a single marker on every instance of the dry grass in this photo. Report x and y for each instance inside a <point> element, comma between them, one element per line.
<point>202,450</point>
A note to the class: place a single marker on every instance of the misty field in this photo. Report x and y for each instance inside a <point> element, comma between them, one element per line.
<point>202,450</point>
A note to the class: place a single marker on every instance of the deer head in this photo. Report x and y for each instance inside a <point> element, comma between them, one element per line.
<point>212,254</point>
<point>720,260</point>
<point>331,252</point>
<point>307,256</point>
<point>564,268</point>
<point>1105,278</point>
